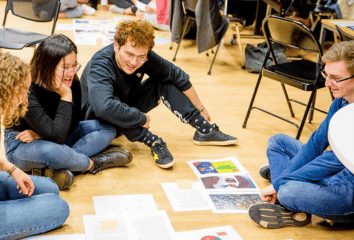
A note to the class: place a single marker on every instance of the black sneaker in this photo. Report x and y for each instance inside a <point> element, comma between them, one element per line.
<point>215,137</point>
<point>163,157</point>
<point>111,157</point>
<point>264,171</point>
<point>63,178</point>
<point>275,216</point>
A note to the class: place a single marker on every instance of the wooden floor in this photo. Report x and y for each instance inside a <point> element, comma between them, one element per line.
<point>226,93</point>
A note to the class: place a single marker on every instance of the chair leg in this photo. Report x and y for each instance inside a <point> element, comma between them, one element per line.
<point>308,106</point>
<point>288,100</point>
<point>312,109</point>
<point>252,100</point>
<point>216,52</point>
<point>180,39</point>
<point>240,46</point>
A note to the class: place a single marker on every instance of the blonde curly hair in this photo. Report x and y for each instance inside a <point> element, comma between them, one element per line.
<point>13,76</point>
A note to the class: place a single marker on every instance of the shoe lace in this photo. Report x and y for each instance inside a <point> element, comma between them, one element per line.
<point>222,134</point>
<point>162,149</point>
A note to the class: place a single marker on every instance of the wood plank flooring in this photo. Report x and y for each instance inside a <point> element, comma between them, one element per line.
<point>226,93</point>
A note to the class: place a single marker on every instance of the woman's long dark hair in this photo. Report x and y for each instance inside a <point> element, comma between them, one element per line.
<point>46,58</point>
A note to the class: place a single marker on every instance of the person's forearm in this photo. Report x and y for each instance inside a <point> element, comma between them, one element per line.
<point>193,97</point>
<point>5,165</point>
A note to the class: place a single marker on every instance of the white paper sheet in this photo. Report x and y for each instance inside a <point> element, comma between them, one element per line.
<point>58,237</point>
<point>343,23</point>
<point>217,233</point>
<point>107,204</point>
<point>138,225</point>
<point>186,199</point>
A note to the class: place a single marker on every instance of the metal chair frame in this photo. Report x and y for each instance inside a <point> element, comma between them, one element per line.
<point>293,34</point>
<point>189,11</point>
<point>12,38</point>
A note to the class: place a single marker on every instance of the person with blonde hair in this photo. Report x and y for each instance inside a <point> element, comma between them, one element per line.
<point>29,205</point>
<point>51,136</point>
<point>307,178</point>
<point>113,91</point>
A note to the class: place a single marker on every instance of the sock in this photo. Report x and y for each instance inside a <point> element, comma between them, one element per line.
<point>141,6</point>
<point>149,139</point>
<point>116,9</point>
<point>201,125</point>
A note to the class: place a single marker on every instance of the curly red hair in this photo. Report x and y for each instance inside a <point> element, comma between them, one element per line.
<point>139,33</point>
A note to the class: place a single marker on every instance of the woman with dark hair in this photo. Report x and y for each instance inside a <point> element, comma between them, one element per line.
<point>51,135</point>
<point>28,205</point>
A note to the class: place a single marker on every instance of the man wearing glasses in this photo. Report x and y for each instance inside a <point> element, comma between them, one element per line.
<point>113,91</point>
<point>306,179</point>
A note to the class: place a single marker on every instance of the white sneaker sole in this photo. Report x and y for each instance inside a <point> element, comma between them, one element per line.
<point>215,143</point>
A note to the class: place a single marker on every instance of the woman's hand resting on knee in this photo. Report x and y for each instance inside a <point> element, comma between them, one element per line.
<point>28,136</point>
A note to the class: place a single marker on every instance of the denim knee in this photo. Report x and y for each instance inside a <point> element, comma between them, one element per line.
<point>273,141</point>
<point>288,196</point>
<point>44,185</point>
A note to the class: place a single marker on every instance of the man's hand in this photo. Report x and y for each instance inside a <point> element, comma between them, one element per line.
<point>24,182</point>
<point>205,115</point>
<point>28,136</point>
<point>147,124</point>
<point>269,194</point>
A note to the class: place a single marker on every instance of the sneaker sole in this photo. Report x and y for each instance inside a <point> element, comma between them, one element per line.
<point>166,165</point>
<point>274,216</point>
<point>215,143</point>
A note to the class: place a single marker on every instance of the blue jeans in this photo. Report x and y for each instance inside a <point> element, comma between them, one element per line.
<point>88,139</point>
<point>330,198</point>
<point>22,216</point>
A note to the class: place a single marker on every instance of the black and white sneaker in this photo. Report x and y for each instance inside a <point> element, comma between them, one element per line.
<point>214,137</point>
<point>163,157</point>
<point>264,171</point>
<point>273,216</point>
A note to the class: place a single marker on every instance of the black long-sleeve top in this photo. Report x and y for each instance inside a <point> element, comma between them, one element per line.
<point>49,116</point>
<point>107,90</point>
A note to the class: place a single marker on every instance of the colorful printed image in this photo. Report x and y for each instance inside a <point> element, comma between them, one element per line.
<point>228,182</point>
<point>210,238</point>
<point>216,167</point>
<point>205,167</point>
<point>235,201</point>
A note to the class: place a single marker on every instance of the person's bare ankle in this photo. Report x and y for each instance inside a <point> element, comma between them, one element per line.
<point>149,9</point>
<point>139,14</point>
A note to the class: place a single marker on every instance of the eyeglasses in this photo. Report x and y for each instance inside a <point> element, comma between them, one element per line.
<point>75,69</point>
<point>130,57</point>
<point>325,75</point>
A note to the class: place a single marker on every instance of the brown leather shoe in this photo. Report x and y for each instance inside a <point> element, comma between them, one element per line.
<point>63,178</point>
<point>111,157</point>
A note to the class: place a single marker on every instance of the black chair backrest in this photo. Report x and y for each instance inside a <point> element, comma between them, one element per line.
<point>290,33</point>
<point>344,36</point>
<point>34,10</point>
<point>189,7</point>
